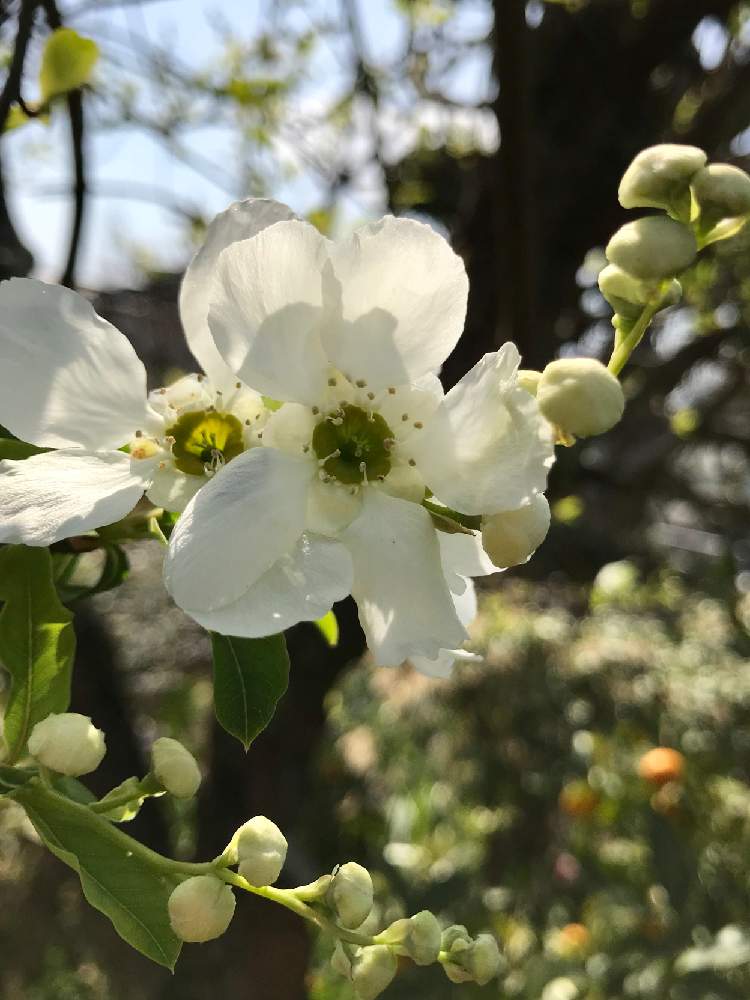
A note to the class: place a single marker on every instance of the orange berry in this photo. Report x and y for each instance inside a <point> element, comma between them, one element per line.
<point>661,765</point>
<point>573,939</point>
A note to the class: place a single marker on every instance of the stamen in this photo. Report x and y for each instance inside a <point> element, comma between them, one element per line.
<point>315,411</point>
<point>238,385</point>
<point>248,422</point>
<point>371,395</point>
<point>332,382</point>
<point>139,434</point>
<point>388,443</point>
<point>360,383</point>
<point>391,390</point>
<point>418,424</point>
<point>404,416</point>
<point>412,463</point>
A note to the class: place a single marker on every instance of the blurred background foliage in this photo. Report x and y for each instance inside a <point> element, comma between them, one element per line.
<point>516,797</point>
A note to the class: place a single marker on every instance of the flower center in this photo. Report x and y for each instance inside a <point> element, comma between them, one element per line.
<point>353,444</point>
<point>205,440</point>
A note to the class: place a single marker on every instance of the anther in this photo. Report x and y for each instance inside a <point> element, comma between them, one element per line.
<point>371,395</point>
<point>332,381</point>
<point>139,434</point>
<point>418,424</point>
<point>412,463</point>
<point>404,416</point>
<point>360,383</point>
<point>248,422</point>
<point>381,479</point>
<point>388,443</point>
<point>238,385</point>
<point>305,448</point>
<point>315,411</point>
<point>363,466</point>
<point>200,378</point>
<point>260,435</point>
<point>391,390</point>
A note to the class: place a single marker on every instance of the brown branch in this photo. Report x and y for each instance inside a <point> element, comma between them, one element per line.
<point>12,90</point>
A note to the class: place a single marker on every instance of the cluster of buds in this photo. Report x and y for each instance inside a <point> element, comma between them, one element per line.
<point>699,203</point>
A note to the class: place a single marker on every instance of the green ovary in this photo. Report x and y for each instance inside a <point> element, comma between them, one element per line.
<point>354,443</point>
<point>204,438</point>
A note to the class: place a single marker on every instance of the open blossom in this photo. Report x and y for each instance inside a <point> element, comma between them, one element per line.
<point>347,338</point>
<point>71,382</point>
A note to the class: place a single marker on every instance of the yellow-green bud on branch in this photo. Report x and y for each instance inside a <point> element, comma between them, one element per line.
<point>528,379</point>
<point>652,248</point>
<point>201,908</point>
<point>419,937</point>
<point>470,960</point>
<point>580,396</point>
<point>260,848</point>
<point>659,177</point>
<point>628,295</point>
<point>511,537</point>
<point>722,194</point>
<point>373,969</point>
<point>175,768</point>
<point>351,895</point>
<point>67,743</point>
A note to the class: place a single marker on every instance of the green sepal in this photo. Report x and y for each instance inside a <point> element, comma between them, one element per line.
<point>250,677</point>
<point>16,450</point>
<point>119,877</point>
<point>123,813</point>
<point>452,522</point>
<point>37,643</point>
<point>12,778</point>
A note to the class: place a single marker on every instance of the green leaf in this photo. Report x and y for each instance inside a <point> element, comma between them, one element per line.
<point>37,643</point>
<point>13,777</point>
<point>119,877</point>
<point>250,676</point>
<point>328,627</point>
<point>123,813</point>
<point>16,450</point>
<point>67,62</point>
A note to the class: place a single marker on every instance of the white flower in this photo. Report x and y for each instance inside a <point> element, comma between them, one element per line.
<point>70,381</point>
<point>349,338</point>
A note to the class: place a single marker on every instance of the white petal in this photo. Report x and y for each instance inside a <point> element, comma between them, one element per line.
<point>404,604</point>
<point>240,221</point>
<point>62,493</point>
<point>173,490</point>
<point>331,507</point>
<point>403,300</point>
<point>487,448</point>
<point>442,665</point>
<point>67,377</point>
<point>235,528</point>
<point>290,429</point>
<point>463,556</point>
<point>266,308</point>
<point>300,586</point>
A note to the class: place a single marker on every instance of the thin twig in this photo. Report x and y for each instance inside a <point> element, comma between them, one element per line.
<point>12,90</point>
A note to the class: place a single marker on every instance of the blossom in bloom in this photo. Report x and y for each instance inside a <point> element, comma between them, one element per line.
<point>347,339</point>
<point>72,384</point>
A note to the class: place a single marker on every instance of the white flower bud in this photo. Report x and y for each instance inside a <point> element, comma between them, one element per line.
<point>201,908</point>
<point>175,768</point>
<point>512,536</point>
<point>484,959</point>
<point>580,396</point>
<point>723,188</point>
<point>528,379</point>
<point>67,743</point>
<point>351,894</point>
<point>627,295</point>
<point>458,943</point>
<point>373,970</point>
<point>652,247</point>
<point>659,176</point>
<point>419,936</point>
<point>260,848</point>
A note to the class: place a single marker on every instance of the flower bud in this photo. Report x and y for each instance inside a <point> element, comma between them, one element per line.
<point>201,908</point>
<point>260,850</point>
<point>624,293</point>
<point>723,196</point>
<point>419,936</point>
<point>512,536</point>
<point>472,961</point>
<point>175,767</point>
<point>373,970</point>
<point>580,396</point>
<point>528,379</point>
<point>351,895</point>
<point>652,247</point>
<point>67,743</point>
<point>659,177</point>
<point>457,942</point>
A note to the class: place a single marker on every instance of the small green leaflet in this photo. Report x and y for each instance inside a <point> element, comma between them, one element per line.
<point>328,627</point>
<point>68,60</point>
<point>37,643</point>
<point>120,881</point>
<point>250,676</point>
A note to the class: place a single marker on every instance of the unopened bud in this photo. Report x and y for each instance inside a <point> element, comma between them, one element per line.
<point>723,196</point>
<point>528,379</point>
<point>373,970</point>
<point>457,942</point>
<point>580,396</point>
<point>652,247</point>
<point>418,936</point>
<point>659,177</point>
<point>67,743</point>
<point>351,894</point>
<point>260,848</point>
<point>512,536</point>
<point>201,908</point>
<point>175,767</point>
<point>472,961</point>
<point>628,295</point>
